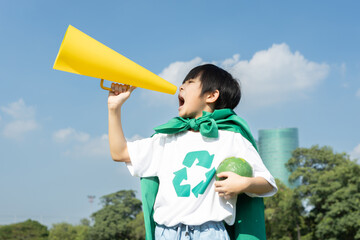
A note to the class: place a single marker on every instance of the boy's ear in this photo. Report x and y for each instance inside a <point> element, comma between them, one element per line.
<point>212,96</point>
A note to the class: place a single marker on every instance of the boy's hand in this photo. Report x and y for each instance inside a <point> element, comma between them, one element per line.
<point>233,185</point>
<point>119,95</point>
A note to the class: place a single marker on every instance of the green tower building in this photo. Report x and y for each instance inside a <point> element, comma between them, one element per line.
<point>275,148</point>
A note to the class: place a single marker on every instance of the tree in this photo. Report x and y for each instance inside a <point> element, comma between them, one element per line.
<point>116,218</point>
<point>85,222</point>
<point>330,185</point>
<point>62,231</point>
<point>66,231</point>
<point>138,227</point>
<point>28,230</point>
<point>283,219</point>
<point>82,232</point>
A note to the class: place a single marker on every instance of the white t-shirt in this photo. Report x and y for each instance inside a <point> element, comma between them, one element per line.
<point>185,163</point>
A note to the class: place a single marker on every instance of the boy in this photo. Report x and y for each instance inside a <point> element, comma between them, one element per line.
<point>185,153</point>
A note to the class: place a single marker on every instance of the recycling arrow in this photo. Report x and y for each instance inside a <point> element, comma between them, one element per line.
<point>181,190</point>
<point>204,160</point>
<point>201,187</point>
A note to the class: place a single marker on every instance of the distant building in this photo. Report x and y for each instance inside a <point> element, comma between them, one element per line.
<point>275,148</point>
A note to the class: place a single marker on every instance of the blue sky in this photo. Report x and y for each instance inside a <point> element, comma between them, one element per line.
<point>298,64</point>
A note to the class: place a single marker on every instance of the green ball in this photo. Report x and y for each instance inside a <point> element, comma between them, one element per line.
<point>236,165</point>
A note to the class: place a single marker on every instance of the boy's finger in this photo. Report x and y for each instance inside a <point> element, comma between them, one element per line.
<point>219,189</point>
<point>122,88</point>
<point>218,183</point>
<point>111,92</point>
<point>223,175</point>
<point>125,87</point>
<point>116,88</point>
<point>132,88</point>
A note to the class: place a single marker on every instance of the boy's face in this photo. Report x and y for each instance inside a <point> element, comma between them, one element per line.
<point>191,103</point>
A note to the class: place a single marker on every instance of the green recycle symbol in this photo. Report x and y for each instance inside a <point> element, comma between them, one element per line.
<point>205,160</point>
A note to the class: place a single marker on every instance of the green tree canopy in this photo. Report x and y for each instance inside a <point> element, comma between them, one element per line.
<point>283,219</point>
<point>138,227</point>
<point>330,185</point>
<point>66,231</point>
<point>116,219</point>
<point>62,231</point>
<point>28,230</point>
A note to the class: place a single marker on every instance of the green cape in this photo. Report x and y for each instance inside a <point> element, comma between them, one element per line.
<point>249,222</point>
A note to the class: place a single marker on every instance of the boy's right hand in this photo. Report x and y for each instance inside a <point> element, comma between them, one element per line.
<point>119,94</point>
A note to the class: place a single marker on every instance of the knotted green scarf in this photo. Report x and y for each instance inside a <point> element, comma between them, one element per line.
<point>249,222</point>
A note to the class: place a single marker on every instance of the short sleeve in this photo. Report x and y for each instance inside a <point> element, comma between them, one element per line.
<point>146,155</point>
<point>259,170</point>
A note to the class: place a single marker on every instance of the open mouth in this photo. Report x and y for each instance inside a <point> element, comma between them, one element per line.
<point>181,101</point>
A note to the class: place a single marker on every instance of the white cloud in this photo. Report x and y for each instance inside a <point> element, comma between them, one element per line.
<point>174,73</point>
<point>343,70</point>
<point>134,138</point>
<point>80,144</point>
<point>355,153</point>
<point>271,76</point>
<point>358,93</point>
<point>18,110</point>
<point>70,134</point>
<point>345,85</point>
<point>94,147</point>
<point>22,119</point>
<point>17,128</point>
<point>275,75</point>
<point>177,71</point>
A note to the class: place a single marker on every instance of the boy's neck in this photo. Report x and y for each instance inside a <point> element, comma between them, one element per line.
<point>208,108</point>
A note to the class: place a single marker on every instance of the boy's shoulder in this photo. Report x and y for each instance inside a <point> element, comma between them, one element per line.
<point>237,137</point>
<point>223,134</point>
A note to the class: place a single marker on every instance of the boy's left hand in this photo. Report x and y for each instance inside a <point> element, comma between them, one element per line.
<point>233,185</point>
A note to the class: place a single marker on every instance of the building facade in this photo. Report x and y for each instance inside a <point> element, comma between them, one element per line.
<point>275,148</point>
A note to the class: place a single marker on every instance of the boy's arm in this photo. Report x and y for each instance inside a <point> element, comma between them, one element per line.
<point>235,184</point>
<point>117,141</point>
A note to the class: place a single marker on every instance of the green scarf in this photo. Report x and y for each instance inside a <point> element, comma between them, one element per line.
<point>249,221</point>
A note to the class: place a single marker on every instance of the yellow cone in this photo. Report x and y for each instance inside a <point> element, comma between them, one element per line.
<point>81,54</point>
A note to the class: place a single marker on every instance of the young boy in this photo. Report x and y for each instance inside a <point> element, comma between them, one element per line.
<point>185,153</point>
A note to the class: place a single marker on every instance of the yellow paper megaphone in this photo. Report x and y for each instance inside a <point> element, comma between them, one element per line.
<point>81,54</point>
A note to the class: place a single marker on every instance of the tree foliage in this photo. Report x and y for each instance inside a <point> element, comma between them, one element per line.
<point>62,231</point>
<point>330,187</point>
<point>283,219</point>
<point>66,231</point>
<point>325,205</point>
<point>138,227</point>
<point>120,218</point>
<point>117,217</point>
<point>28,230</point>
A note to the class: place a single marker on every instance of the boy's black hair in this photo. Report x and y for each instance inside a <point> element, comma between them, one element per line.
<point>212,78</point>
